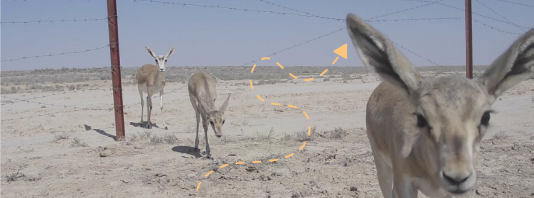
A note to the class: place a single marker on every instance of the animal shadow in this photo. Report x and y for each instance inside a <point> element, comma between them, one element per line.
<point>187,150</point>
<point>100,131</point>
<point>138,124</point>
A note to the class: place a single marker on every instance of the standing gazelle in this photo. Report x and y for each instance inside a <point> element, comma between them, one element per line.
<point>151,80</point>
<point>425,133</point>
<point>202,92</point>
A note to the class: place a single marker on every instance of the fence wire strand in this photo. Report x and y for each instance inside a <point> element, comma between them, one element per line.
<point>517,3</point>
<point>368,20</point>
<point>518,27</point>
<point>56,54</point>
<point>474,13</point>
<point>54,21</point>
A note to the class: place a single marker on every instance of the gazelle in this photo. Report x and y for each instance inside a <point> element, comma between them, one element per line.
<point>151,80</point>
<point>425,133</point>
<point>202,92</point>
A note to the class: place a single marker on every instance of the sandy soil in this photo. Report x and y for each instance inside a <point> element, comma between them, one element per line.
<point>53,150</point>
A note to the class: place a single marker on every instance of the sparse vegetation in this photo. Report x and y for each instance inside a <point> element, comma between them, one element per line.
<point>303,135</point>
<point>501,135</point>
<point>13,176</point>
<point>62,136</point>
<point>338,133</point>
<point>77,143</point>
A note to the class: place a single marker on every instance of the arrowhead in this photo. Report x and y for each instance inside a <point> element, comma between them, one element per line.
<point>342,51</point>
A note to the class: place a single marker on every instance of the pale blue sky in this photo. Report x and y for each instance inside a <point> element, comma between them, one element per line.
<point>222,37</point>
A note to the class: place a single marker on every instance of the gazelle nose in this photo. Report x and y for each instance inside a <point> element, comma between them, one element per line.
<point>455,180</point>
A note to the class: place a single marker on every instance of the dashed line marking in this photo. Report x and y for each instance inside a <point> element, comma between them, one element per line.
<point>280,65</point>
<point>335,60</point>
<point>252,71</point>
<point>209,173</point>
<point>325,70</point>
<point>277,104</point>
<point>302,146</point>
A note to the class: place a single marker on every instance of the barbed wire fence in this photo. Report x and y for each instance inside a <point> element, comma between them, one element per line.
<point>288,11</point>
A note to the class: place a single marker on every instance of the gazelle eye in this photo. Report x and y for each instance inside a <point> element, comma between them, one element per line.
<point>211,122</point>
<point>485,118</point>
<point>224,121</point>
<point>421,121</point>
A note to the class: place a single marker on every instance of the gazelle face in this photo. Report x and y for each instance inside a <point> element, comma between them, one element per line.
<point>452,113</point>
<point>216,120</point>
<point>161,60</point>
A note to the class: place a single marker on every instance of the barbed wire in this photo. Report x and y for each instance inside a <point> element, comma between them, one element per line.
<point>496,29</point>
<point>520,28</point>
<point>296,45</point>
<point>516,3</point>
<point>474,13</point>
<point>57,105</point>
<point>56,94</point>
<point>57,54</point>
<point>368,20</point>
<point>416,54</point>
<point>286,8</point>
<point>417,19</point>
<point>237,9</point>
<point>74,108</point>
<point>39,0</point>
<point>54,21</point>
<point>429,3</point>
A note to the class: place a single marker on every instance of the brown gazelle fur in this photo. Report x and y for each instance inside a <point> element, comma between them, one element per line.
<point>151,80</point>
<point>203,93</point>
<point>425,133</point>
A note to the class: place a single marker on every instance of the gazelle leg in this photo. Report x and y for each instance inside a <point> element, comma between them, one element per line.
<point>142,105</point>
<point>195,106</point>
<point>161,107</point>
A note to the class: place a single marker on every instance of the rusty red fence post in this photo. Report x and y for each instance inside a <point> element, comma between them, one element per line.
<point>115,69</point>
<point>468,41</point>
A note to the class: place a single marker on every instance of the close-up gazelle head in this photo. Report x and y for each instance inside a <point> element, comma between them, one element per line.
<point>428,130</point>
<point>216,117</point>
<point>161,60</point>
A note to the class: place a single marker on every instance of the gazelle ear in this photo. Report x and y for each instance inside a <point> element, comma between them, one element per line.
<point>513,66</point>
<point>151,52</point>
<point>377,51</point>
<point>225,104</point>
<point>170,52</point>
<point>205,106</point>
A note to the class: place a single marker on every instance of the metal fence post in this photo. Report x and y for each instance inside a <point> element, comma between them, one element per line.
<point>115,69</point>
<point>468,41</point>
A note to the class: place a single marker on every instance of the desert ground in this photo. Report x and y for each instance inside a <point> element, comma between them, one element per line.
<point>58,136</point>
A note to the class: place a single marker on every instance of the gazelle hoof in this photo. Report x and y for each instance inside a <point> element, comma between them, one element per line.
<point>148,126</point>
